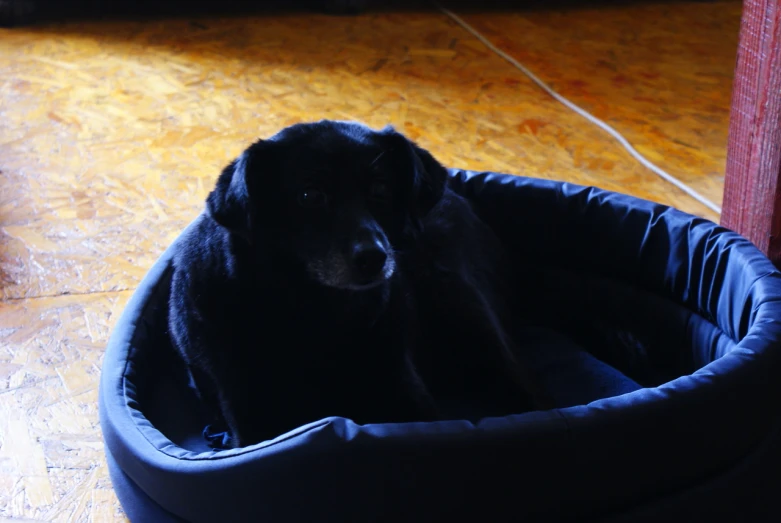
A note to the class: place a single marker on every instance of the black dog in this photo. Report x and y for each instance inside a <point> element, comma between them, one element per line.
<point>335,273</point>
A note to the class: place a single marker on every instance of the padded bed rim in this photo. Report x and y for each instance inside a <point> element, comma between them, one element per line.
<point>738,380</point>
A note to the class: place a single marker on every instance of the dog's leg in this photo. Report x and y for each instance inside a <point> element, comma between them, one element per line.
<point>414,387</point>
<point>402,328</point>
<point>511,363</point>
<point>469,314</point>
<point>208,380</point>
<point>215,399</point>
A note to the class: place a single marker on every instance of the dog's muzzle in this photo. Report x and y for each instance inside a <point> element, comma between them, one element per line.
<point>369,261</point>
<point>366,265</point>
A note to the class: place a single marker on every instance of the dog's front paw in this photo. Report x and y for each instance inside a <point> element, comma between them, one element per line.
<point>218,437</point>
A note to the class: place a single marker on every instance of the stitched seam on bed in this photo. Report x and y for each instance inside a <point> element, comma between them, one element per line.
<point>227,454</point>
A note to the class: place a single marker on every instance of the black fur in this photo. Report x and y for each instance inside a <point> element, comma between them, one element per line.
<point>335,273</point>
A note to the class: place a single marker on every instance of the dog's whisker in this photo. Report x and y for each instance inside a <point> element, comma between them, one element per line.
<point>378,157</point>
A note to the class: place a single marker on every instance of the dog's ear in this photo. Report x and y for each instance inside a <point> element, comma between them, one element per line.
<point>430,179</point>
<point>229,202</point>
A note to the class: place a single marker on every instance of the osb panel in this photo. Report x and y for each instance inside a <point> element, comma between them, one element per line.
<point>52,466</point>
<point>661,74</point>
<point>111,133</point>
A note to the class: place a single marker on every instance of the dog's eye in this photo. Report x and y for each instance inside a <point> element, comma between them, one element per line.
<point>312,198</point>
<point>380,190</point>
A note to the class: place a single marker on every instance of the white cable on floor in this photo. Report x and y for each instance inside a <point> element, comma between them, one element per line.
<point>582,112</point>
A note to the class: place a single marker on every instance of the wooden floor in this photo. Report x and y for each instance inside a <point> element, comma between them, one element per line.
<point>112,133</point>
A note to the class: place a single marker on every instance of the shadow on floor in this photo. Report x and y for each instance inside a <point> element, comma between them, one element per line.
<point>29,12</point>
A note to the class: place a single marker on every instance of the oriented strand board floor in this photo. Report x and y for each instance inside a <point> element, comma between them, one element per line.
<point>111,134</point>
<point>660,74</point>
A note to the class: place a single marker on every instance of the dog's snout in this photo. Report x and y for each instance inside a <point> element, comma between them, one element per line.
<point>369,259</point>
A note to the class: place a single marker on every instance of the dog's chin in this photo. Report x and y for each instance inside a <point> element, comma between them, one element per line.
<point>341,279</point>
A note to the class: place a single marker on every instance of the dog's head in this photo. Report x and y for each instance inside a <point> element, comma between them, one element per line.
<point>335,197</point>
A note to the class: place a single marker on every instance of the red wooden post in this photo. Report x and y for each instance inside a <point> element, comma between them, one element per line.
<point>752,188</point>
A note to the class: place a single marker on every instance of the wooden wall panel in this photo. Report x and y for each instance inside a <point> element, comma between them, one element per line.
<point>752,191</point>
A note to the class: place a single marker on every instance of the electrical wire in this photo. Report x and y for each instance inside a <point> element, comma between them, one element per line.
<point>582,112</point>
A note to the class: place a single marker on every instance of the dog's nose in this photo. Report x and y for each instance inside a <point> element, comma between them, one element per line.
<point>369,259</point>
